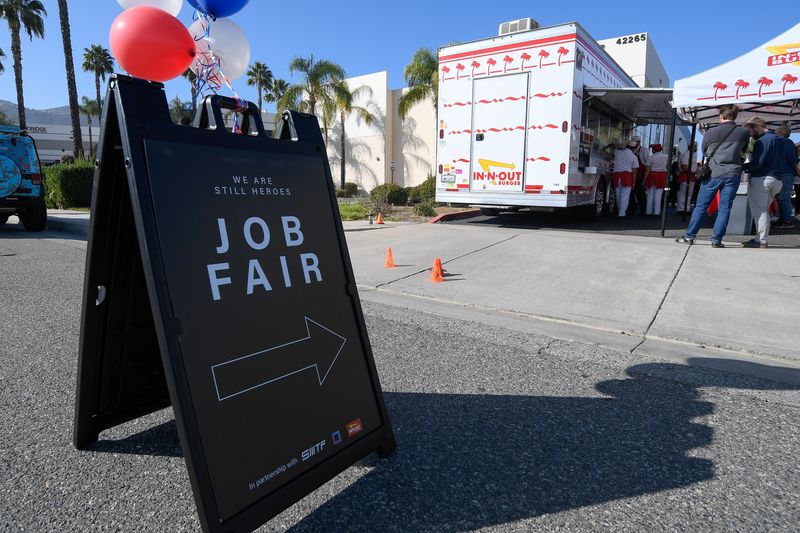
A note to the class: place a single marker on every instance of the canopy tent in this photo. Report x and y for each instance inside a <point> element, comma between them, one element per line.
<point>763,82</point>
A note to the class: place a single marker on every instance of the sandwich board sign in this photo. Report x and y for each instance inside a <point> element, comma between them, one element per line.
<point>218,281</point>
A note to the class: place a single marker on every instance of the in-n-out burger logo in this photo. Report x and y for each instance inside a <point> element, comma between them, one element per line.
<point>785,54</point>
<point>508,177</point>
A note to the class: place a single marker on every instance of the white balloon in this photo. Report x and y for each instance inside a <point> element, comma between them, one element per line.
<point>173,7</point>
<point>226,41</point>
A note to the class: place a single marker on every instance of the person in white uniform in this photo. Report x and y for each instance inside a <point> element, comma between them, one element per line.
<point>687,178</point>
<point>655,179</point>
<point>625,164</point>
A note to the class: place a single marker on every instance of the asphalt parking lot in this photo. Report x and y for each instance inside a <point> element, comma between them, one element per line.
<point>497,430</point>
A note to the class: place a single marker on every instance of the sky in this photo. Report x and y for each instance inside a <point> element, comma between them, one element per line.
<point>365,37</point>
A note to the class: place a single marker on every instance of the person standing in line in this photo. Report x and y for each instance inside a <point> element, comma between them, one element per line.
<point>674,172</point>
<point>725,147</point>
<point>687,178</point>
<point>625,164</point>
<point>638,198</point>
<point>797,184</point>
<point>788,167</point>
<point>765,178</point>
<point>655,180</point>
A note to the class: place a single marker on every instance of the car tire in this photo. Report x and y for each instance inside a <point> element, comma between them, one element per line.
<point>489,211</point>
<point>35,218</point>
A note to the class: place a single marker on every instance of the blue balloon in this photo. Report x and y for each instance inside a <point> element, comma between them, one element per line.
<point>219,8</point>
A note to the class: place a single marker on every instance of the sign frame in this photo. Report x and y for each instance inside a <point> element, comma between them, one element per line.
<point>130,361</point>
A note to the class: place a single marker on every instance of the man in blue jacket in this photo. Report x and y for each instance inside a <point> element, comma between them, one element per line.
<point>788,166</point>
<point>765,178</point>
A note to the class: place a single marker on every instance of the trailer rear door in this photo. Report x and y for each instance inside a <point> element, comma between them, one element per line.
<point>499,132</point>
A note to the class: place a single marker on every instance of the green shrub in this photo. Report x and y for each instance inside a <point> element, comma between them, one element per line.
<point>389,193</point>
<point>350,190</point>
<point>353,211</point>
<point>426,208</point>
<point>424,191</point>
<point>69,185</point>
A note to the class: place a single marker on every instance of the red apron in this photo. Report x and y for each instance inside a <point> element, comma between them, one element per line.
<point>623,179</point>
<point>657,180</point>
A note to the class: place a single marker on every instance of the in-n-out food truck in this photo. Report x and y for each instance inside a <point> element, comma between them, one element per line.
<point>518,126</point>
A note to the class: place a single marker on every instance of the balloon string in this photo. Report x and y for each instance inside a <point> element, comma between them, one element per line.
<point>210,76</point>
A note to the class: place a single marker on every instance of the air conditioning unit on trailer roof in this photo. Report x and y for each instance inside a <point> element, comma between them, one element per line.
<point>517,26</point>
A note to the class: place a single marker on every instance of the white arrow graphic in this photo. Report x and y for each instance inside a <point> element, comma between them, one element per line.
<point>318,350</point>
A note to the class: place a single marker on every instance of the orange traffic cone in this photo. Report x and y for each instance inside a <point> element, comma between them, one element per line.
<point>379,220</point>
<point>437,273</point>
<point>389,259</point>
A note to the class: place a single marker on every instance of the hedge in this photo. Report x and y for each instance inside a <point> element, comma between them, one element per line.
<point>350,190</point>
<point>389,193</point>
<point>69,185</point>
<point>423,192</point>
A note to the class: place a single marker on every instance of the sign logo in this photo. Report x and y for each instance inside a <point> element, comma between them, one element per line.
<point>354,427</point>
<point>504,177</point>
<point>336,437</point>
<point>785,54</point>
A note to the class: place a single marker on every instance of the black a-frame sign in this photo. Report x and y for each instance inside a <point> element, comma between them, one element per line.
<point>218,281</point>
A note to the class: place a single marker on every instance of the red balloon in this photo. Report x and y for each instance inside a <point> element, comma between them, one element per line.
<point>150,43</point>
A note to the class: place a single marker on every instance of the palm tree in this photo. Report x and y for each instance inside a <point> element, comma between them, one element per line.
<point>2,56</point>
<point>422,77</point>
<point>276,90</point>
<point>191,77</point>
<point>344,99</point>
<point>22,15</point>
<point>319,78</point>
<point>72,90</point>
<point>98,60</point>
<point>261,76</point>
<point>318,86</point>
<point>89,108</point>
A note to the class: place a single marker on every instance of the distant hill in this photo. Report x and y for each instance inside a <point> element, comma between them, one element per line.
<point>56,116</point>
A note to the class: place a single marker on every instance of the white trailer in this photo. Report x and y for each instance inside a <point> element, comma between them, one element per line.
<point>518,126</point>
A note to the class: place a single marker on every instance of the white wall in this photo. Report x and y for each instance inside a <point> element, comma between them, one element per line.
<point>638,58</point>
<point>366,146</point>
<point>413,141</point>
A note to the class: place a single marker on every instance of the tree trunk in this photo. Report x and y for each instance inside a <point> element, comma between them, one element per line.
<point>258,85</point>
<point>72,90</point>
<point>97,89</point>
<point>16,51</point>
<point>89,122</point>
<point>344,161</point>
<point>194,100</point>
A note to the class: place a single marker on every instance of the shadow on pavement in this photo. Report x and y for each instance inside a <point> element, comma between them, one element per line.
<point>9,230</point>
<point>161,440</point>
<point>473,461</point>
<point>466,461</point>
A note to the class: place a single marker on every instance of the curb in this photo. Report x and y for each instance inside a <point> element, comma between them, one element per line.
<point>455,216</point>
<point>68,226</point>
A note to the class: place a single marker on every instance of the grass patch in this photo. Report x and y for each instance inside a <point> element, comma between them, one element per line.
<point>353,211</point>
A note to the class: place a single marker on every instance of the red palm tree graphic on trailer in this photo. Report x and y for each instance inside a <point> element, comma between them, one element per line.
<point>474,65</point>
<point>507,61</point>
<point>445,71</point>
<point>543,54</point>
<point>788,79</point>
<point>459,69</point>
<point>719,86</point>
<point>561,53</point>
<point>740,84</point>
<point>524,57</point>
<point>763,81</point>
<point>491,62</point>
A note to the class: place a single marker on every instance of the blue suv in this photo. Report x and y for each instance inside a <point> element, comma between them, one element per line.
<point>21,186</point>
